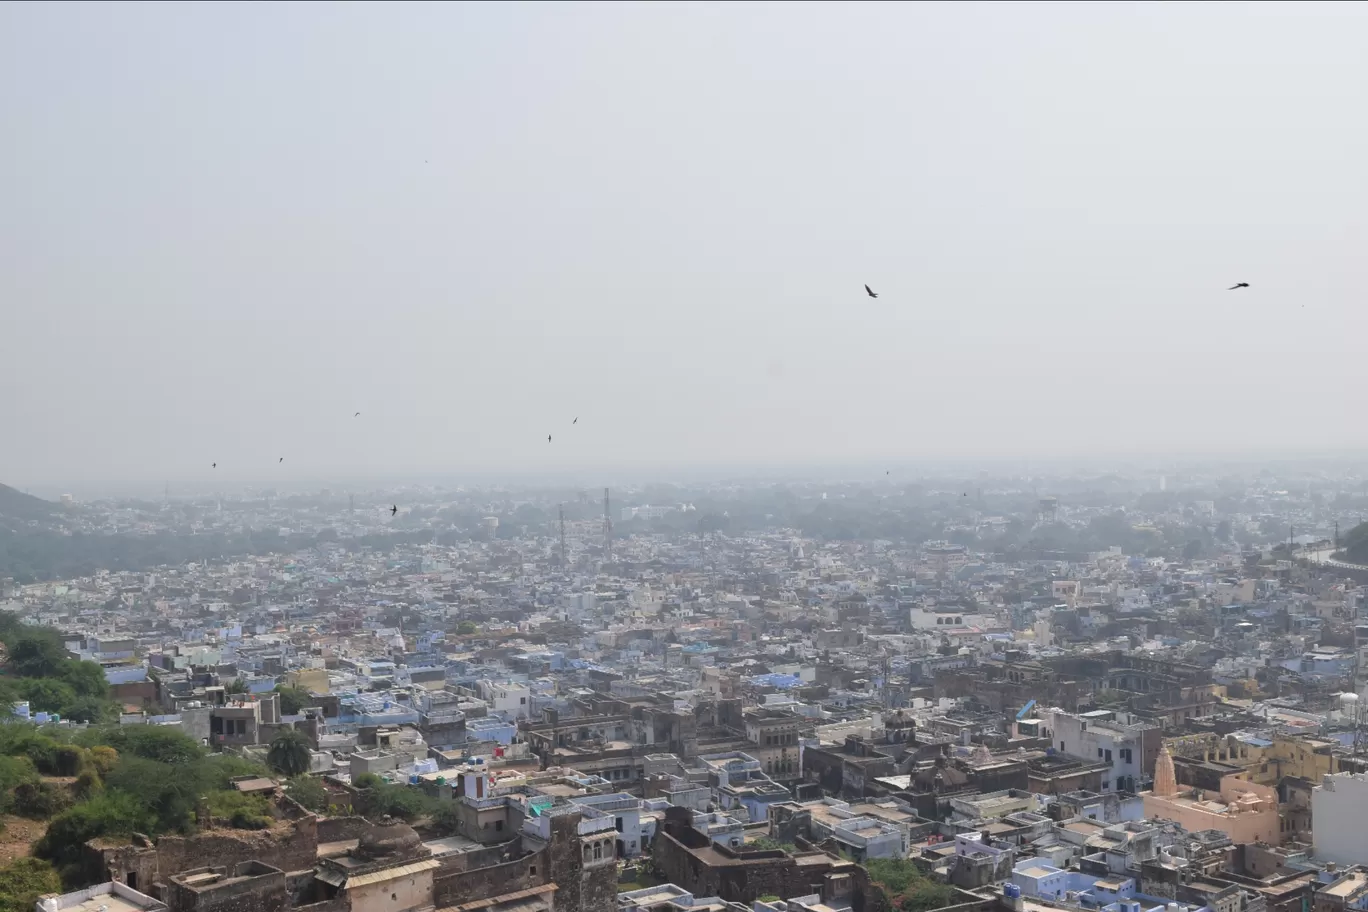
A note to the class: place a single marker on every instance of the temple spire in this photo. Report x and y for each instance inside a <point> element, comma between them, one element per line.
<point>1165,782</point>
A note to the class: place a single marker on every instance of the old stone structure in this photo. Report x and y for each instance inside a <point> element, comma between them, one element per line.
<point>691,860</point>
<point>565,863</point>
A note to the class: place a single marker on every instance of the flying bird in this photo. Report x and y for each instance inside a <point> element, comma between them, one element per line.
<point>394,509</point>
<point>213,465</point>
<point>576,421</point>
<point>548,438</point>
<point>870,292</point>
<point>357,415</point>
<point>1238,285</point>
<point>282,459</point>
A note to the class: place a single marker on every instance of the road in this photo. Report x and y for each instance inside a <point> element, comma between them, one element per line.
<point>1323,557</point>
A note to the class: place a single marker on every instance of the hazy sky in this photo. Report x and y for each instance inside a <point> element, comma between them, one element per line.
<point>226,228</point>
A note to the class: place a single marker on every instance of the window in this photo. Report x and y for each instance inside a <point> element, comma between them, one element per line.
<point>498,824</point>
<point>522,700</point>
<point>1099,753</point>
<point>598,851</point>
<point>532,869</point>
<point>1108,757</point>
<point>1061,747</point>
<point>1126,755</point>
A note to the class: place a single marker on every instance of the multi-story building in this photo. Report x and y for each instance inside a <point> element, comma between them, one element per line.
<point>1097,737</point>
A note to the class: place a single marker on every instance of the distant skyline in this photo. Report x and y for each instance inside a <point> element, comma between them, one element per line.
<point>228,227</point>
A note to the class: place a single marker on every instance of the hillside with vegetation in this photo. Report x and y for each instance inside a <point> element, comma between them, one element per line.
<point>38,669</point>
<point>16,505</point>
<point>1354,545</point>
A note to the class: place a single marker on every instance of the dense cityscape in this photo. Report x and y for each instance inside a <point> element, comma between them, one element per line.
<point>1104,692</point>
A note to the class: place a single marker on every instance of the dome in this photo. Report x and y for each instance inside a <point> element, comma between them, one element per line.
<point>386,839</point>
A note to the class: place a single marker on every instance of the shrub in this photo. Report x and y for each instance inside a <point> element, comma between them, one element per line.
<point>309,792</point>
<point>16,771</point>
<point>88,785</point>
<point>40,800</point>
<point>151,742</point>
<point>69,760</point>
<point>23,881</point>
<point>222,769</point>
<point>110,814</point>
<point>102,758</point>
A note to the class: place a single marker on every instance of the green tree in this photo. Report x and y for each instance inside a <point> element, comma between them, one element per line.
<point>292,700</point>
<point>289,753</point>
<point>309,792</point>
<point>466,628</point>
<point>86,678</point>
<point>46,694</point>
<point>23,880</point>
<point>36,654</point>
<point>169,790</point>
<point>237,686</point>
<point>89,709</point>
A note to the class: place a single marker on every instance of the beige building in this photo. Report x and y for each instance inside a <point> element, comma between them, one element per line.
<point>1244,811</point>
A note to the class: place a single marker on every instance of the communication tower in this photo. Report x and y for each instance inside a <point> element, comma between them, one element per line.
<point>607,530</point>
<point>564,555</point>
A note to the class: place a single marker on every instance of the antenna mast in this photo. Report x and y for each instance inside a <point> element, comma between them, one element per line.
<point>607,530</point>
<point>564,557</point>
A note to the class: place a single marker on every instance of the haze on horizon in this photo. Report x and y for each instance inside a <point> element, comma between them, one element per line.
<point>228,227</point>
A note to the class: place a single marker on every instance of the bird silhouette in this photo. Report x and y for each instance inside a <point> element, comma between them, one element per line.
<point>548,438</point>
<point>576,421</point>
<point>282,459</point>
<point>213,465</point>
<point>394,509</point>
<point>1238,285</point>
<point>871,292</point>
<point>357,415</point>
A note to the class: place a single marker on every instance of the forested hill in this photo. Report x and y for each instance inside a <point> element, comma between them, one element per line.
<point>20,506</point>
<point>1355,545</point>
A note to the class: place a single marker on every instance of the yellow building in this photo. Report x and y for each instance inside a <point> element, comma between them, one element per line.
<point>1259,760</point>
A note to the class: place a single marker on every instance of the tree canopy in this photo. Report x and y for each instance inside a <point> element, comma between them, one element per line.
<point>289,753</point>
<point>40,671</point>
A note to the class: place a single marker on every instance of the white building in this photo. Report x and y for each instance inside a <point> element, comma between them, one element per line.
<point>946,619</point>
<point>508,700</point>
<point>1339,806</point>
<point>1098,738</point>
